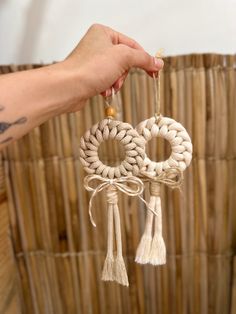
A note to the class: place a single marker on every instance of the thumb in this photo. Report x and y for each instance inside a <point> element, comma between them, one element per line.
<point>139,58</point>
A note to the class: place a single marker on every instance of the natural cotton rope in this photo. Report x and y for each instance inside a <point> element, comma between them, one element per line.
<point>170,172</point>
<point>152,249</point>
<point>175,134</point>
<point>112,179</point>
<point>172,177</point>
<point>121,184</point>
<point>157,95</point>
<point>136,163</point>
<point>157,89</point>
<point>114,268</point>
<point>112,129</point>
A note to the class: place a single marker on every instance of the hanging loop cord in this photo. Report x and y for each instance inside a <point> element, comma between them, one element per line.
<point>157,95</point>
<point>110,99</point>
<point>157,90</point>
<point>110,110</point>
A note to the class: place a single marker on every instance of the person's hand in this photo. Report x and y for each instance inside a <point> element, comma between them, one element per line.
<point>101,61</point>
<point>104,57</point>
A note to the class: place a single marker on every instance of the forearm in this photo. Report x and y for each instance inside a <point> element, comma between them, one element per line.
<point>29,98</point>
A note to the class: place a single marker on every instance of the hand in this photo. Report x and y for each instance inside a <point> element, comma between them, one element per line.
<point>104,58</point>
<point>101,61</point>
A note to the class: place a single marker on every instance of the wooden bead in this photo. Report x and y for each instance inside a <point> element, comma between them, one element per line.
<point>110,111</point>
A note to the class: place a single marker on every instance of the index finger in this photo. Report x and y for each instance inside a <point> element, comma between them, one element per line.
<point>119,38</point>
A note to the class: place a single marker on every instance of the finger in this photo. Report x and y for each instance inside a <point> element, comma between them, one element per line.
<point>107,93</point>
<point>116,86</point>
<point>130,57</point>
<point>119,83</point>
<point>119,38</point>
<point>125,40</point>
<point>150,73</point>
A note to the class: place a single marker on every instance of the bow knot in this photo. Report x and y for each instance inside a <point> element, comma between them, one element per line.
<point>120,184</point>
<point>172,177</point>
<point>112,196</point>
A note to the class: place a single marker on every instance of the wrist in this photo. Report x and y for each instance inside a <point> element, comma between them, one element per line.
<point>67,89</point>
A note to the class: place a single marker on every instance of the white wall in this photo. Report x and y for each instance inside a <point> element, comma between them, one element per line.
<point>46,30</point>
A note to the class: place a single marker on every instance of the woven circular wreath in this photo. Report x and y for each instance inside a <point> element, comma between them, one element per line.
<point>175,134</point>
<point>134,147</point>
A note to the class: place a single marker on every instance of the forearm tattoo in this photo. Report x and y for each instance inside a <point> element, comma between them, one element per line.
<point>6,125</point>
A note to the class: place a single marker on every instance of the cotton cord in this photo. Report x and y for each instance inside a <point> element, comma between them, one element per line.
<point>124,178</point>
<point>112,180</point>
<point>172,177</point>
<point>126,135</point>
<point>107,273</point>
<point>157,89</point>
<point>120,184</point>
<point>114,267</point>
<point>110,99</point>
<point>175,134</point>
<point>151,249</point>
<point>157,94</point>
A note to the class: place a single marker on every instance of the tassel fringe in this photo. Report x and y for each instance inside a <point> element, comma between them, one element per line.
<point>108,269</point>
<point>120,271</point>
<point>158,251</point>
<point>114,269</point>
<point>152,249</point>
<point>143,250</point>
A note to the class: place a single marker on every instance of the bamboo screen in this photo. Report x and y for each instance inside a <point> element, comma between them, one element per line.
<point>51,257</point>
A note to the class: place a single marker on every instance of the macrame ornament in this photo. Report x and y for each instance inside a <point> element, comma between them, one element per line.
<point>111,179</point>
<point>152,248</point>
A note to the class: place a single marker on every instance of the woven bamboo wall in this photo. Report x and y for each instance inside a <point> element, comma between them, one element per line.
<point>50,255</point>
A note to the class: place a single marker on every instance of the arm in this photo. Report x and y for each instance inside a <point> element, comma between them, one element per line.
<point>101,60</point>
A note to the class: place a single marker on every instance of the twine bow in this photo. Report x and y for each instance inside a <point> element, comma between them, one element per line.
<point>119,183</point>
<point>172,177</point>
<point>152,249</point>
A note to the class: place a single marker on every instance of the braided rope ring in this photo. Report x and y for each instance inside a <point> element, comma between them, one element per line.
<point>175,134</point>
<point>134,147</point>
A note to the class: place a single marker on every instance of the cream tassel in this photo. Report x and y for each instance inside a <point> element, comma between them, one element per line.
<point>143,250</point>
<point>120,270</point>
<point>114,268</point>
<point>107,272</point>
<point>158,248</point>
<point>152,250</point>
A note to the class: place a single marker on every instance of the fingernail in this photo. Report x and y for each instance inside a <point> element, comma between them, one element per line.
<point>120,84</point>
<point>159,63</point>
<point>108,92</point>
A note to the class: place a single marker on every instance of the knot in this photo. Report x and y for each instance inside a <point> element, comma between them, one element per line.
<point>112,186</point>
<point>155,188</point>
<point>158,117</point>
<point>172,177</point>
<point>112,195</point>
